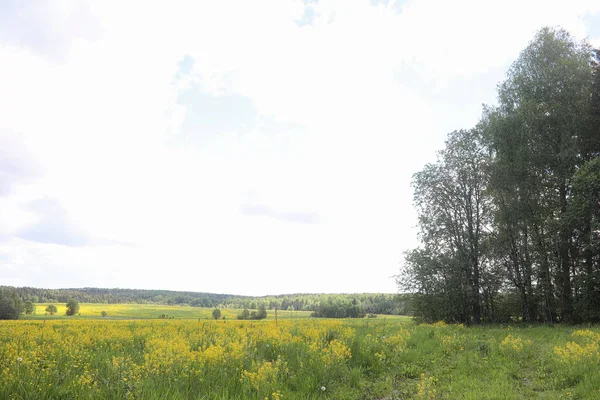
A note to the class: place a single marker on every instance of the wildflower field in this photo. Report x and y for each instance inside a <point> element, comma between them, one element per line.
<point>294,359</point>
<point>145,311</point>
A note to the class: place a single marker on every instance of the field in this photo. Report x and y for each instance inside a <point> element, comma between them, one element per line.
<point>298,358</point>
<point>148,311</point>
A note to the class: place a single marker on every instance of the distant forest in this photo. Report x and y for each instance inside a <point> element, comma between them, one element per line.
<point>338,305</point>
<point>509,214</point>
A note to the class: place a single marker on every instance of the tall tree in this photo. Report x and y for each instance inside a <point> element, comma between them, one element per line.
<point>72,307</point>
<point>544,103</point>
<point>519,197</point>
<point>585,218</point>
<point>513,205</point>
<point>454,212</point>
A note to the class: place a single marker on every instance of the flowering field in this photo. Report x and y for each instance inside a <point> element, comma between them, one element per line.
<point>143,311</point>
<point>301,359</point>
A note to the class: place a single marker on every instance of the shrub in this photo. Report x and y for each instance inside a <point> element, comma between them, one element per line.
<point>28,307</point>
<point>244,315</point>
<point>72,307</point>
<point>51,309</point>
<point>8,308</point>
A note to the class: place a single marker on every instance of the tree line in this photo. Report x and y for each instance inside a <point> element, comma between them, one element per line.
<point>12,306</point>
<point>375,303</point>
<point>339,309</point>
<point>509,214</point>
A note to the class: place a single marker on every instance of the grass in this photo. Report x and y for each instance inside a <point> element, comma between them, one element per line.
<point>392,358</point>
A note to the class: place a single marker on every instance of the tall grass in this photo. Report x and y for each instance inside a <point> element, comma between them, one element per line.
<point>294,359</point>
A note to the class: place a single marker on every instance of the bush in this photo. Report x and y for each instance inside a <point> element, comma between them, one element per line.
<point>51,309</point>
<point>244,315</point>
<point>28,308</point>
<point>72,307</point>
<point>104,313</point>
<point>8,308</point>
<point>260,314</point>
<point>338,310</point>
<point>216,313</point>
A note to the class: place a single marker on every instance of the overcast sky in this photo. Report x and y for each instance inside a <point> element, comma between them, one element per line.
<point>245,147</point>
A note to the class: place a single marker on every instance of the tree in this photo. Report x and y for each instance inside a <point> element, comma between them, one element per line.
<point>509,214</point>
<point>262,312</point>
<point>72,307</point>
<point>216,313</point>
<point>518,212</point>
<point>585,219</point>
<point>8,308</point>
<point>28,307</point>
<point>51,309</point>
<point>338,308</point>
<point>104,314</point>
<point>454,212</point>
<point>539,141</point>
<point>245,314</point>
<point>11,305</point>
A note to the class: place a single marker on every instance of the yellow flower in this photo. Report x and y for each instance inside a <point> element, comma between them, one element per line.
<point>573,352</point>
<point>514,343</point>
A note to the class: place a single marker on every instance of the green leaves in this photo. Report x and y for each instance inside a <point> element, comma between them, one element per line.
<point>72,307</point>
<point>508,209</point>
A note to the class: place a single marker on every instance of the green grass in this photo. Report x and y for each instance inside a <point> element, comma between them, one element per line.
<point>391,357</point>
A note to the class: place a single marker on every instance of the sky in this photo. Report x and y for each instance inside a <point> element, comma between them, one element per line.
<point>239,147</point>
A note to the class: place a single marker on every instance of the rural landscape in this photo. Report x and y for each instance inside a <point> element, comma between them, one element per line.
<point>132,352</point>
<point>498,297</point>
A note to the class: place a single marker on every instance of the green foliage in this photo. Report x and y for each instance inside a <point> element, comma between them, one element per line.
<point>453,208</point>
<point>262,312</point>
<point>508,212</point>
<point>8,308</point>
<point>51,309</point>
<point>245,314</point>
<point>72,307</point>
<point>216,313</point>
<point>339,309</point>
<point>543,117</point>
<point>11,305</point>
<point>28,307</point>
<point>378,303</point>
<point>584,212</point>
<point>104,313</point>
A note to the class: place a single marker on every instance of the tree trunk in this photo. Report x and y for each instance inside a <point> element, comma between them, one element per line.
<point>565,266</point>
<point>476,297</point>
<point>545,278</point>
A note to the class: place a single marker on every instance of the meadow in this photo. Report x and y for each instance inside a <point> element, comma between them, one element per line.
<point>147,311</point>
<point>299,358</point>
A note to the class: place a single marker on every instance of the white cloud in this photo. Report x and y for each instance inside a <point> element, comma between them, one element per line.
<point>368,90</point>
